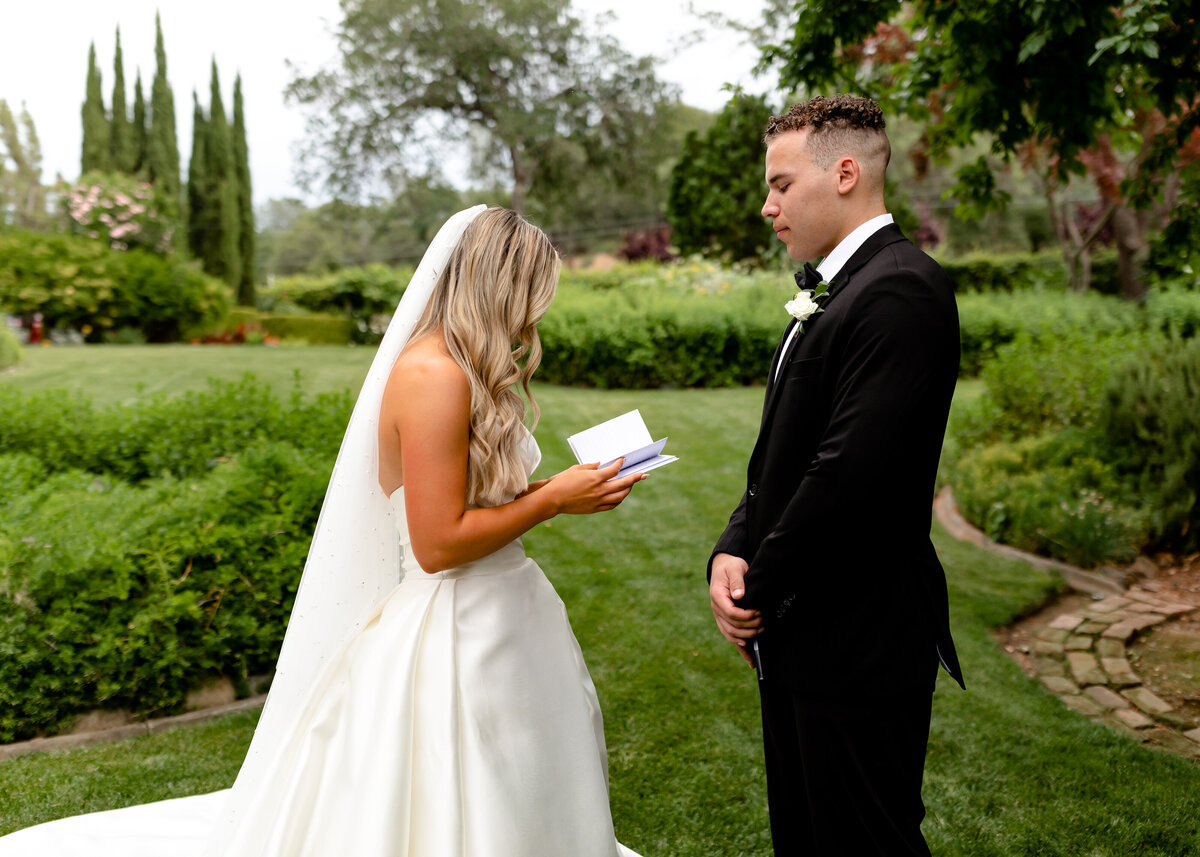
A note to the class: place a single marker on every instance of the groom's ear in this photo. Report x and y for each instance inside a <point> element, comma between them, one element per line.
<point>848,173</point>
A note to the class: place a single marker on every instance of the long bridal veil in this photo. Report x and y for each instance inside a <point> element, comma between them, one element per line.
<point>353,562</point>
<point>354,559</point>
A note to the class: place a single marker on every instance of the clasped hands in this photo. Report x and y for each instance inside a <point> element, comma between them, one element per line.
<point>727,583</point>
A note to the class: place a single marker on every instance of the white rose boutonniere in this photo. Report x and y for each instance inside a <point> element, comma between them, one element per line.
<point>804,305</point>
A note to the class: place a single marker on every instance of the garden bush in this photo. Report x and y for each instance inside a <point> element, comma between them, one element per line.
<point>82,284</point>
<point>10,348</point>
<point>1083,449</point>
<point>1151,422</point>
<point>1053,494</point>
<point>366,295</point>
<point>145,549</point>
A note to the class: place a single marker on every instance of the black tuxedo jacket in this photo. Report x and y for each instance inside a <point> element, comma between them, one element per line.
<point>835,519</point>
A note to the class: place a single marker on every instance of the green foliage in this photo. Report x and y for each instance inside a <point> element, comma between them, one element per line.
<point>536,85</point>
<point>152,545</point>
<point>11,352</point>
<point>96,154</point>
<point>162,147</point>
<point>1062,79</point>
<point>988,321</point>
<point>992,272</point>
<point>1058,381</point>
<point>1053,494</point>
<point>141,130</point>
<point>245,201</point>
<point>689,325</point>
<point>22,195</point>
<point>120,210</point>
<point>717,188</point>
<point>82,284</point>
<point>214,220</point>
<point>1084,447</point>
<point>367,296</point>
<point>122,143</point>
<point>1150,421</point>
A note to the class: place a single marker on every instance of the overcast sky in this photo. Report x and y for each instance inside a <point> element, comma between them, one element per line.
<point>44,44</point>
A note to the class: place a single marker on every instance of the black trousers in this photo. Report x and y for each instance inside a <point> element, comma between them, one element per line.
<point>844,779</point>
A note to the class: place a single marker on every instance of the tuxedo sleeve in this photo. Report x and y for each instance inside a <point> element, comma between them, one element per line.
<point>733,540</point>
<point>893,363</point>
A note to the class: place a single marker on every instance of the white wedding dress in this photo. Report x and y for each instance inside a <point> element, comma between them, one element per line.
<point>461,720</point>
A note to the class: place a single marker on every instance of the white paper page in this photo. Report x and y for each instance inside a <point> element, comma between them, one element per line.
<point>611,439</point>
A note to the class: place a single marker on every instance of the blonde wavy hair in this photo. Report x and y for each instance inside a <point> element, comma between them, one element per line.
<point>497,285</point>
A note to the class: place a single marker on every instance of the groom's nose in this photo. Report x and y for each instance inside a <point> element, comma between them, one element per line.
<point>770,207</point>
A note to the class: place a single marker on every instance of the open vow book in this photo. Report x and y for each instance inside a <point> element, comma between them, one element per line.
<point>625,437</point>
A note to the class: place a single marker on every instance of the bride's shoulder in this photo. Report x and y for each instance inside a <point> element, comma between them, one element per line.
<point>426,370</point>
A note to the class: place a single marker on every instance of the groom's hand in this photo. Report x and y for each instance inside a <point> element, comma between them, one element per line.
<point>736,625</point>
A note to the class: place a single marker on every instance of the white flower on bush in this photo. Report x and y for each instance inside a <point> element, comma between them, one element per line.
<point>802,306</point>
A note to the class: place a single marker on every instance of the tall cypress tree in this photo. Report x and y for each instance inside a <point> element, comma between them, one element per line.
<point>123,156</point>
<point>140,131</point>
<point>245,203</point>
<point>162,150</point>
<point>197,186</point>
<point>95,154</point>
<point>221,255</point>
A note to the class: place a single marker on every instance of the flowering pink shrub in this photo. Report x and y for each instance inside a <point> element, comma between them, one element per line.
<point>121,210</point>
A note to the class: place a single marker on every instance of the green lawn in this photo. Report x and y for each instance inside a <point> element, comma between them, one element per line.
<point>1010,771</point>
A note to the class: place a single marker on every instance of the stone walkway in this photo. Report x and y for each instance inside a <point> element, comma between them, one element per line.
<point>1080,654</point>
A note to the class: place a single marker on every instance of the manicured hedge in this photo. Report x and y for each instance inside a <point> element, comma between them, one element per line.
<point>147,548</point>
<point>85,285</point>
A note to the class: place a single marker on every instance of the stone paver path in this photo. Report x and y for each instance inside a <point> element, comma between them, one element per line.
<point>1080,657</point>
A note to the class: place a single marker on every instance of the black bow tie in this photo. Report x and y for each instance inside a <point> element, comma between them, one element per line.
<point>808,278</point>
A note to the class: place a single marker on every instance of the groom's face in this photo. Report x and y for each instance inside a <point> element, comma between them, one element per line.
<point>800,198</point>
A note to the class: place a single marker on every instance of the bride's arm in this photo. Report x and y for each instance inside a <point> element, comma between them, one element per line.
<point>428,408</point>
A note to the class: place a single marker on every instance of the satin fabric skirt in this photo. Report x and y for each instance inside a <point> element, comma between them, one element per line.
<point>460,721</point>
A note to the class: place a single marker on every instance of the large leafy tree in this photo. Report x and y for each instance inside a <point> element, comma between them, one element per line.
<point>717,186</point>
<point>1108,88</point>
<point>523,78</point>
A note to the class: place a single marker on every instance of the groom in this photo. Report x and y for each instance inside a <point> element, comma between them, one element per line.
<point>825,577</point>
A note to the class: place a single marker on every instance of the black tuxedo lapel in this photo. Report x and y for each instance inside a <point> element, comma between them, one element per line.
<point>775,367</point>
<point>888,234</point>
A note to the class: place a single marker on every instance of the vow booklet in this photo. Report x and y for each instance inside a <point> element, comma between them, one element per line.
<point>625,437</point>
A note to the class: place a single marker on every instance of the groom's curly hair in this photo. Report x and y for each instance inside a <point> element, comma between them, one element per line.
<point>834,124</point>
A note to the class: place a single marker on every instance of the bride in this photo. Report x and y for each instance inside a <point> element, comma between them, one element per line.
<point>430,699</point>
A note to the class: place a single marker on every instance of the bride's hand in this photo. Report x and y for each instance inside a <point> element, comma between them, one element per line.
<point>585,488</point>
